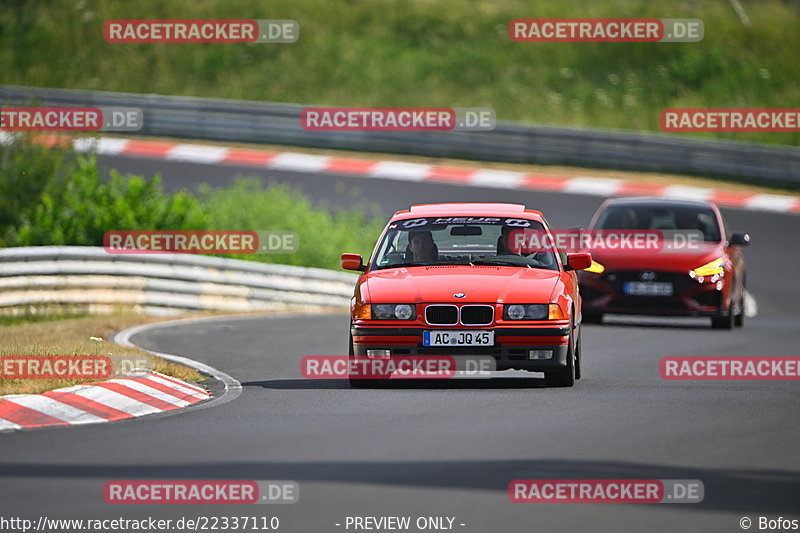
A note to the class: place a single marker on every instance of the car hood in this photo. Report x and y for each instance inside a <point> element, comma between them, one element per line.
<point>485,284</point>
<point>674,261</point>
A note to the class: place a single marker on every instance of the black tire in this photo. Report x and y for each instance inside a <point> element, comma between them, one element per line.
<point>578,356</point>
<point>563,377</point>
<point>368,383</point>
<point>724,322</point>
<point>592,318</point>
<point>738,320</point>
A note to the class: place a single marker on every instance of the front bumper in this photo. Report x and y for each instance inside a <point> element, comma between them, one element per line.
<point>604,294</point>
<point>510,350</point>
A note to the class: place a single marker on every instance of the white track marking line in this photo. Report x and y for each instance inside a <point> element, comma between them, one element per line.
<point>113,399</point>
<point>186,391</point>
<point>104,146</point>
<point>186,384</point>
<point>85,144</point>
<point>687,192</point>
<point>299,162</point>
<point>232,388</point>
<point>771,202</point>
<point>150,391</point>
<point>399,170</point>
<point>504,179</point>
<point>596,186</point>
<point>195,153</point>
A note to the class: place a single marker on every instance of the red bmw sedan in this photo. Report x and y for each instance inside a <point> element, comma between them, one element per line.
<point>706,277</point>
<point>443,279</point>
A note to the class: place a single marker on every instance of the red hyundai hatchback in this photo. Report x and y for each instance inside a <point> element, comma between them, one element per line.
<point>443,280</point>
<point>704,279</point>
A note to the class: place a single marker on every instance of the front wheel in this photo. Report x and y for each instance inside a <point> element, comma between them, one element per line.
<point>724,322</point>
<point>578,356</point>
<point>738,320</point>
<point>563,377</point>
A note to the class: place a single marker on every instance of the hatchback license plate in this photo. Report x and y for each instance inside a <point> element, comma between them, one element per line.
<point>458,338</point>
<point>648,288</point>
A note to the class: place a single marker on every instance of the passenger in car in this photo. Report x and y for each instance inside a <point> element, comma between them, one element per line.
<point>504,244</point>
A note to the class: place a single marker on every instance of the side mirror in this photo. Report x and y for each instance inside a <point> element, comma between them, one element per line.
<point>353,262</point>
<point>739,239</point>
<point>578,261</point>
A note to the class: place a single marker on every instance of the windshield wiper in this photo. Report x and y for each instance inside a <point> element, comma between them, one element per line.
<point>499,262</point>
<point>401,265</point>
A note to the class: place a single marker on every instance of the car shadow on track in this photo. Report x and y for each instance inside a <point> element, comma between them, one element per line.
<point>461,383</point>
<point>734,489</point>
<point>624,321</point>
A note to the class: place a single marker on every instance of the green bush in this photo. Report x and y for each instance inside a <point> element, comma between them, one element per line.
<point>323,235</point>
<point>72,204</point>
<point>80,207</point>
<point>27,170</point>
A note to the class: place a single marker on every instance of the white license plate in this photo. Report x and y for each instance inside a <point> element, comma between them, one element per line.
<point>458,338</point>
<point>648,288</point>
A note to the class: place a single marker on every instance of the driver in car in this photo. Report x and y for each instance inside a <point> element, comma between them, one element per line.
<point>422,247</point>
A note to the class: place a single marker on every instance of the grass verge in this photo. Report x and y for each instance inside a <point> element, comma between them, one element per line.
<point>427,53</point>
<point>70,336</point>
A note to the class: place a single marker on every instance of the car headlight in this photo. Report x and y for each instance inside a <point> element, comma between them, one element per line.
<point>393,312</point>
<point>525,312</point>
<point>710,272</point>
<point>595,268</point>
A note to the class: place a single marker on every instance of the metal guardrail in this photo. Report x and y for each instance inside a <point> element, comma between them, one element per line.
<point>90,277</point>
<point>272,123</point>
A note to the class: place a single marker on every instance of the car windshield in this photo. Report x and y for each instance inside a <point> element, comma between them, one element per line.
<point>457,241</point>
<point>661,218</point>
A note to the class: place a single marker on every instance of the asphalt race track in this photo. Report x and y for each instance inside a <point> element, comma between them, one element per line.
<point>450,449</point>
